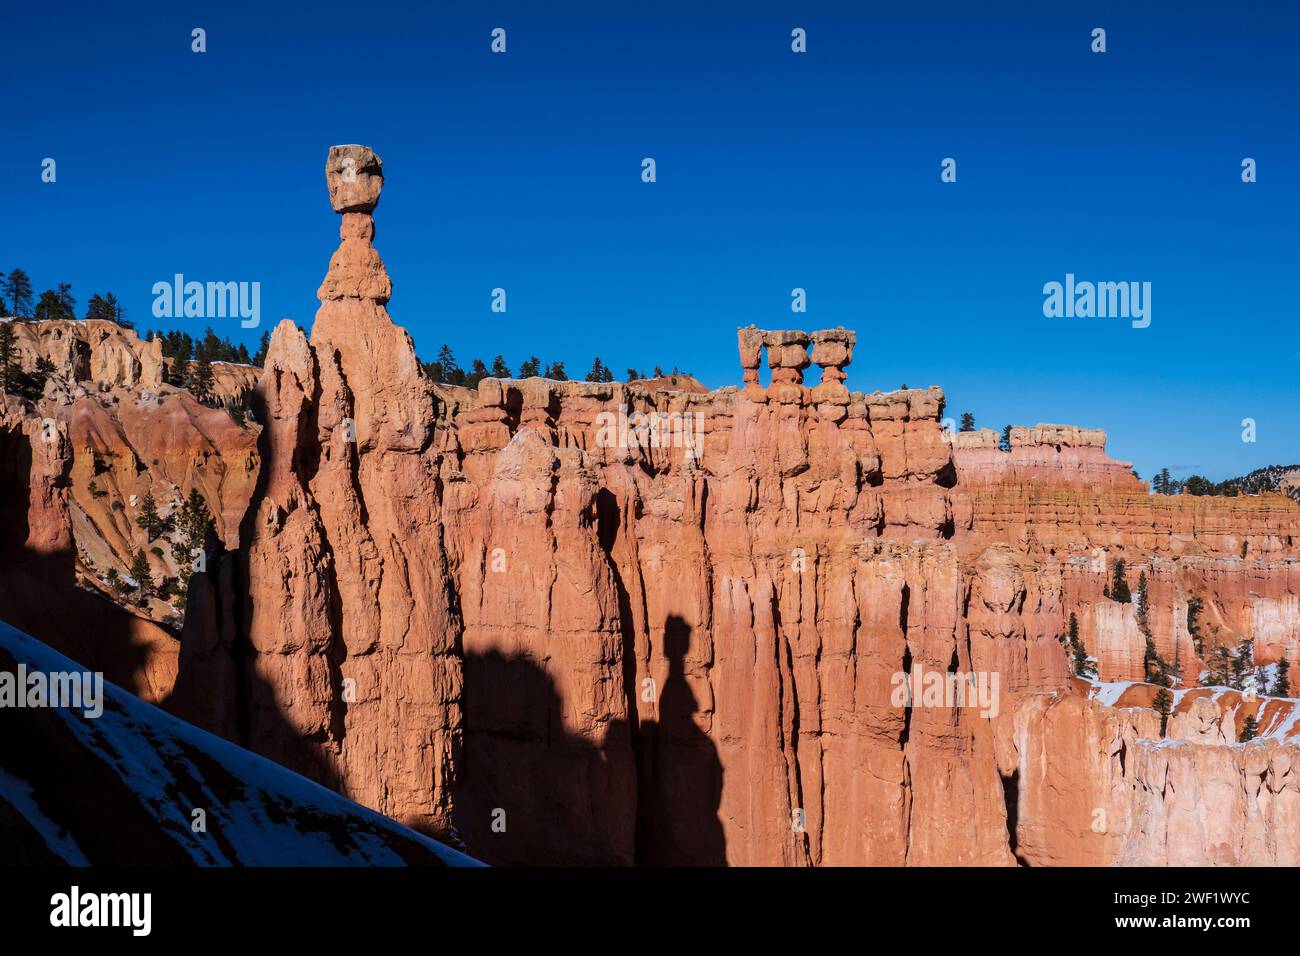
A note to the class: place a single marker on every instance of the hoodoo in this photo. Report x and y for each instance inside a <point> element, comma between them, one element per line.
<point>476,612</point>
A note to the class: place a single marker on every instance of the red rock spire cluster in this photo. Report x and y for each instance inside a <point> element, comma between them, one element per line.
<point>467,609</point>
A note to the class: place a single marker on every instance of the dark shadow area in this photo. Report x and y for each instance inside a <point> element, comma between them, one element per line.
<point>1011,797</point>
<point>528,792</point>
<point>38,589</point>
<point>217,684</point>
<point>679,775</point>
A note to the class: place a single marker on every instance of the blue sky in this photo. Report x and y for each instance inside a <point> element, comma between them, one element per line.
<point>775,171</point>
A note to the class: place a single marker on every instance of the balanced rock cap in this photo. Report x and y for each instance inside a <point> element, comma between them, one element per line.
<point>356,177</point>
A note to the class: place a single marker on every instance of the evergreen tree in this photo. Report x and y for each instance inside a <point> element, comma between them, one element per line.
<point>1219,667</point>
<point>116,312</point>
<point>1194,606</point>
<point>1004,443</point>
<point>631,375</point>
<point>200,378</point>
<point>1242,663</point>
<point>192,526</point>
<point>556,371</point>
<point>43,370</point>
<point>148,518</point>
<point>451,373</point>
<point>114,581</point>
<point>967,422</point>
<point>1248,729</point>
<point>97,309</point>
<point>1156,669</point>
<point>182,355</point>
<point>1281,682</point>
<point>140,572</point>
<point>500,369</point>
<point>532,368</point>
<point>1162,703</point>
<point>599,373</point>
<point>1118,584</point>
<point>8,356</point>
<point>659,372</point>
<point>1082,666</point>
<point>17,292</point>
<point>263,346</point>
<point>1078,653</point>
<point>477,372</point>
<point>1143,622</point>
<point>67,304</point>
<point>48,306</point>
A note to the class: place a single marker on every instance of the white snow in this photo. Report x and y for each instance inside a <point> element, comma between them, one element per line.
<point>139,741</point>
<point>21,798</point>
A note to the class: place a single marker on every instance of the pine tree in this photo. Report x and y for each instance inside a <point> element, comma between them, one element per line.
<point>192,526</point>
<point>1143,622</point>
<point>1219,667</point>
<point>97,309</point>
<point>556,371</point>
<point>1119,586</point>
<point>1281,681</point>
<point>48,306</point>
<point>1162,703</point>
<point>1242,663</point>
<point>1082,666</point>
<point>200,379</point>
<point>115,311</point>
<point>1248,729</point>
<point>8,356</point>
<point>477,372</point>
<point>67,304</point>
<point>598,372</point>
<point>631,375</point>
<point>967,422</point>
<point>140,572</point>
<point>532,368</point>
<point>500,369</point>
<point>263,346</point>
<point>1156,670</point>
<point>1004,443</point>
<point>1194,625</point>
<point>148,518</point>
<point>17,291</point>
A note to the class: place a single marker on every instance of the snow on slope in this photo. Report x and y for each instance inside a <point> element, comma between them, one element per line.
<point>122,789</point>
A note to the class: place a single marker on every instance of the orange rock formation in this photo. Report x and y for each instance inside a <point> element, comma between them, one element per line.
<point>617,623</point>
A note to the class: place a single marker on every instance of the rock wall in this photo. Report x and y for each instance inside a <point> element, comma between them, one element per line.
<point>609,623</point>
<point>41,590</point>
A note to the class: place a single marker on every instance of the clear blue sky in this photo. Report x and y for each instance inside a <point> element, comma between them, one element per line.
<point>775,170</point>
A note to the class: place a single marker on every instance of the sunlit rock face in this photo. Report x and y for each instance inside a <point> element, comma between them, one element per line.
<point>784,624</point>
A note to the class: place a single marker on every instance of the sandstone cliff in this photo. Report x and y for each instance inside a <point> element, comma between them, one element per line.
<point>617,623</point>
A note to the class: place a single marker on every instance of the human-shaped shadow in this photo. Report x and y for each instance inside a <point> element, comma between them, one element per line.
<point>679,773</point>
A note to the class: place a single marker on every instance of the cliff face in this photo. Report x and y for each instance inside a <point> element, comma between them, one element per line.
<point>762,625</point>
<point>39,586</point>
<point>129,435</point>
<point>338,643</point>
